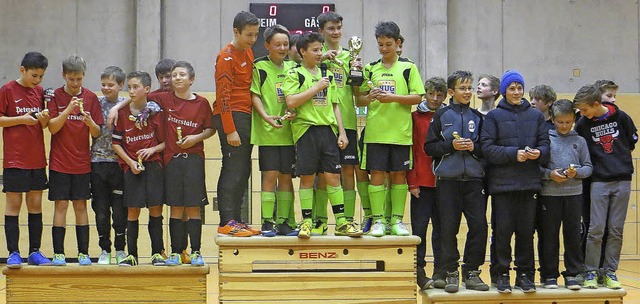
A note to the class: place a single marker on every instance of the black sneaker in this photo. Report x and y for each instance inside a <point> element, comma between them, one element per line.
<point>504,283</point>
<point>452,282</point>
<point>438,280</point>
<point>423,280</point>
<point>284,229</point>
<point>474,282</point>
<point>572,283</point>
<point>550,283</point>
<point>268,229</point>
<point>524,283</point>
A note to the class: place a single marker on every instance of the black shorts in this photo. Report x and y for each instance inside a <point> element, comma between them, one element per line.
<point>277,158</point>
<point>24,180</point>
<point>64,186</point>
<point>145,189</point>
<point>349,156</point>
<point>317,151</point>
<point>361,146</point>
<point>184,181</point>
<point>386,157</point>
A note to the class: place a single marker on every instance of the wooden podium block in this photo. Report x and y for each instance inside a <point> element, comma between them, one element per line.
<point>541,296</point>
<point>322,269</point>
<point>107,284</point>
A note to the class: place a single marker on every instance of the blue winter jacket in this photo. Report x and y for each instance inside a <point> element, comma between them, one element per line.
<point>505,130</point>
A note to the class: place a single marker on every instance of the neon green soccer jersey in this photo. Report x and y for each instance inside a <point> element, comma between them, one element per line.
<point>340,72</point>
<point>317,111</point>
<point>390,123</point>
<point>267,83</point>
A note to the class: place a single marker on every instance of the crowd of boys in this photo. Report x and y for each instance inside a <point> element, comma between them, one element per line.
<point>297,104</point>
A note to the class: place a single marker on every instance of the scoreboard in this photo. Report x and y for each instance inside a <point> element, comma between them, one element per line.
<point>296,17</point>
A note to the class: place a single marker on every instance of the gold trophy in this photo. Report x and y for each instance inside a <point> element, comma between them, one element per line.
<point>371,85</point>
<point>455,135</point>
<point>179,131</point>
<point>355,77</point>
<point>286,115</point>
<point>140,165</point>
<point>572,168</point>
<point>81,105</point>
<point>48,95</point>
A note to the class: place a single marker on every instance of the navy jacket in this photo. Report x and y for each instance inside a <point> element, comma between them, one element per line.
<point>450,163</point>
<point>507,129</point>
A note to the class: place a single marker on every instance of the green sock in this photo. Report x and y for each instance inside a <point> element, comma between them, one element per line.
<point>387,204</point>
<point>320,205</point>
<point>377,195</point>
<point>306,203</point>
<point>336,197</point>
<point>398,200</point>
<point>363,191</point>
<point>267,203</point>
<point>284,204</point>
<point>349,204</point>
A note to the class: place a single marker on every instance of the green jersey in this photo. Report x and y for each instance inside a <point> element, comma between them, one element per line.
<point>317,111</point>
<point>267,83</point>
<point>340,72</point>
<point>391,123</point>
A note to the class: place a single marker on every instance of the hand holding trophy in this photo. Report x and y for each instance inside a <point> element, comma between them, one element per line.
<point>355,74</point>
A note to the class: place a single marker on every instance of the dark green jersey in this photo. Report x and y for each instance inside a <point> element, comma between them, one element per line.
<point>267,83</point>
<point>340,72</point>
<point>390,123</point>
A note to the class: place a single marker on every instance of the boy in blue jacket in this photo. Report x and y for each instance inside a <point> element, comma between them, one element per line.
<point>515,143</point>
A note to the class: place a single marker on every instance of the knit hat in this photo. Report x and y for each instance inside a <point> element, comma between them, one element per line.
<point>510,76</point>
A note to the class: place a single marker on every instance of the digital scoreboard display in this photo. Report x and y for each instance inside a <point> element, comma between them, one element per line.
<point>296,17</point>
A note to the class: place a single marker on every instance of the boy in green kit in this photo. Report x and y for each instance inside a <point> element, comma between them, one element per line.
<point>394,85</point>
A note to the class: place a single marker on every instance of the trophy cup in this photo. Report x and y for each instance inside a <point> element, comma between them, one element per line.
<point>371,85</point>
<point>455,135</point>
<point>179,131</point>
<point>81,105</point>
<point>286,115</point>
<point>48,95</point>
<point>140,166</point>
<point>355,74</point>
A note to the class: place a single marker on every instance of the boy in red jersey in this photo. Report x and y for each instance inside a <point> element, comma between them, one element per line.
<point>232,119</point>
<point>139,148</point>
<point>75,114</point>
<point>22,121</point>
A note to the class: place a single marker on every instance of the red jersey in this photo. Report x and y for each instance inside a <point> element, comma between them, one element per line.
<point>422,174</point>
<point>193,116</point>
<point>70,150</point>
<point>233,83</point>
<point>23,145</point>
<point>132,139</point>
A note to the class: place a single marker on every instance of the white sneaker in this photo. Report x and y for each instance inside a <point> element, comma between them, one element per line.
<point>105,258</point>
<point>120,256</point>
<point>378,228</point>
<point>399,228</point>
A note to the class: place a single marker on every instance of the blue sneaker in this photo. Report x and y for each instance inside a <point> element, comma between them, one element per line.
<point>173,260</point>
<point>84,259</point>
<point>38,259</point>
<point>14,261</point>
<point>196,259</point>
<point>59,260</point>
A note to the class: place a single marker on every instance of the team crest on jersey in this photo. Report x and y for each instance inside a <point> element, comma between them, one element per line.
<point>605,135</point>
<point>279,92</point>
<point>471,126</point>
<point>320,99</point>
<point>387,86</point>
<point>338,76</point>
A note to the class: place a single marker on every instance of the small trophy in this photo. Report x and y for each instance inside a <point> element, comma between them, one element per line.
<point>81,105</point>
<point>179,131</point>
<point>140,166</point>
<point>572,168</point>
<point>48,95</point>
<point>283,117</point>
<point>528,149</point>
<point>455,135</point>
<point>355,74</point>
<point>371,85</point>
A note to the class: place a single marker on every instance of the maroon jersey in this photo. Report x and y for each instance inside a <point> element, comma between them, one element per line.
<point>23,145</point>
<point>193,116</point>
<point>70,150</point>
<point>132,139</point>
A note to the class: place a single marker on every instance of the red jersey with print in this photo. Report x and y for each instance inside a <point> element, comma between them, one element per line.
<point>132,139</point>
<point>192,116</point>
<point>233,83</point>
<point>23,145</point>
<point>421,175</point>
<point>70,150</point>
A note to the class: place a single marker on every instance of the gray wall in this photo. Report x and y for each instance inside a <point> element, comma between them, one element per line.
<point>544,39</point>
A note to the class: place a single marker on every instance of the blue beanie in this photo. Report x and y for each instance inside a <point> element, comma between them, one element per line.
<point>510,76</point>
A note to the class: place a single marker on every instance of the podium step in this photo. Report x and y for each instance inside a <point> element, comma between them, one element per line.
<point>107,284</point>
<point>541,296</point>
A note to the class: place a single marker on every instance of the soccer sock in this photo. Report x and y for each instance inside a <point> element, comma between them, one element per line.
<point>306,203</point>
<point>195,231</point>
<point>57,236</point>
<point>284,201</point>
<point>398,200</point>
<point>155,234</point>
<point>35,231</point>
<point>176,233</point>
<point>336,197</point>
<point>267,202</point>
<point>185,236</point>
<point>11,232</point>
<point>376,196</point>
<point>119,240</point>
<point>292,214</point>
<point>387,204</point>
<point>320,205</point>
<point>363,191</point>
<point>132,237</point>
<point>82,237</point>
<point>349,204</point>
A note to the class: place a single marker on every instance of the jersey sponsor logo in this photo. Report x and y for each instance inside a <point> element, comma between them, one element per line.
<point>183,122</point>
<point>147,136</point>
<point>320,99</point>
<point>279,92</point>
<point>79,117</point>
<point>23,110</point>
<point>18,100</point>
<point>387,86</point>
<point>387,75</point>
<point>338,75</point>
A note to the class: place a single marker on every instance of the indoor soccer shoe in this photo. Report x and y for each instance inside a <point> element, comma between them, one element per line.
<point>14,261</point>
<point>104,258</point>
<point>319,229</point>
<point>174,260</point>
<point>399,228</point>
<point>196,259</point>
<point>348,229</point>
<point>120,256</point>
<point>268,229</point>
<point>368,222</point>
<point>305,230</point>
<point>249,228</point>
<point>129,261</point>
<point>84,259</point>
<point>611,281</point>
<point>184,257</point>
<point>157,260</point>
<point>232,228</point>
<point>378,229</point>
<point>38,259</point>
<point>591,280</point>
<point>59,259</point>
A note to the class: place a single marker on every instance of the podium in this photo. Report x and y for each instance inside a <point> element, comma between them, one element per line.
<point>322,269</point>
<point>107,284</point>
<point>541,296</point>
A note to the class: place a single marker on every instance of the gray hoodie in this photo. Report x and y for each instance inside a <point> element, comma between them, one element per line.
<point>565,150</point>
